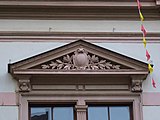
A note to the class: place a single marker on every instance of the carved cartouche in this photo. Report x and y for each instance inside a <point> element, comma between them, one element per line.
<point>80,59</point>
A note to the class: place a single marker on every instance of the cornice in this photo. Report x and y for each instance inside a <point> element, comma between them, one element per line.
<point>78,9</point>
<point>32,36</point>
<point>76,3</point>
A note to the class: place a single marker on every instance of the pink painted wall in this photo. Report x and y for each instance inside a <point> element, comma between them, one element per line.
<point>8,99</point>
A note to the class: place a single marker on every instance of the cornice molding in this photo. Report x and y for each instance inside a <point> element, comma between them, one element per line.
<point>77,3</point>
<point>31,36</point>
<point>81,10</point>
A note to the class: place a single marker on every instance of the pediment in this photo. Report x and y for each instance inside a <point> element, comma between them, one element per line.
<point>79,63</point>
<point>79,56</point>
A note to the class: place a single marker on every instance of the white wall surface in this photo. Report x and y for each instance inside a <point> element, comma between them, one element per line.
<point>16,51</point>
<point>8,113</point>
<point>10,51</point>
<point>137,51</point>
<point>78,25</point>
<point>151,112</point>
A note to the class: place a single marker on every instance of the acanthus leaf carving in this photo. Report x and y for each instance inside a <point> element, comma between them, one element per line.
<point>80,60</point>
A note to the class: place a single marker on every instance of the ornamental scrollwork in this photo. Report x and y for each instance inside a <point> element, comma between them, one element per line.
<point>80,60</point>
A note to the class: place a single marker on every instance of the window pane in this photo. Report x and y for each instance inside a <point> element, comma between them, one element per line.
<point>63,113</point>
<point>98,113</point>
<point>119,113</point>
<point>40,113</point>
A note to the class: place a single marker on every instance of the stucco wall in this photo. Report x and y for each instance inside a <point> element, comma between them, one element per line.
<point>8,113</point>
<point>151,112</point>
<point>15,51</point>
<point>77,25</point>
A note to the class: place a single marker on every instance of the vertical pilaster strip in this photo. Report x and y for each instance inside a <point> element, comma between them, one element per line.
<point>81,112</point>
<point>23,108</point>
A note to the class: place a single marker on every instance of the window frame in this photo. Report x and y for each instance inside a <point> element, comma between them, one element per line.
<point>51,106</point>
<point>108,105</point>
<point>83,100</point>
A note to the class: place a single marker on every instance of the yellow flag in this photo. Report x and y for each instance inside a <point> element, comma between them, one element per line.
<point>141,16</point>
<point>150,68</point>
<point>144,42</point>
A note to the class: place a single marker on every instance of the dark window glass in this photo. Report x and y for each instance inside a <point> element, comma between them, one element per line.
<point>51,113</point>
<point>109,113</point>
<point>40,113</point>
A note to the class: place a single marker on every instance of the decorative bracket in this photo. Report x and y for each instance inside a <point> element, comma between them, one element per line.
<point>136,83</point>
<point>24,85</point>
<point>158,2</point>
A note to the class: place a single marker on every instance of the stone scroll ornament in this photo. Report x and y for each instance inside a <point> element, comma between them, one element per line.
<point>80,60</point>
<point>144,32</point>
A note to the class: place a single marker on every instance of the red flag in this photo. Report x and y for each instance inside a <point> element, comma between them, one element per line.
<point>153,83</point>
<point>139,4</point>
<point>147,55</point>
<point>143,30</point>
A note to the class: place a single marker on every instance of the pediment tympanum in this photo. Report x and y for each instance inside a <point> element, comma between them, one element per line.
<point>79,60</point>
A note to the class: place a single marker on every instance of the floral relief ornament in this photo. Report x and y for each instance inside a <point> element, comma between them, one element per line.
<point>80,60</point>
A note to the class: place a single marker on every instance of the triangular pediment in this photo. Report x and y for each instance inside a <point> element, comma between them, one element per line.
<point>79,62</point>
<point>79,56</point>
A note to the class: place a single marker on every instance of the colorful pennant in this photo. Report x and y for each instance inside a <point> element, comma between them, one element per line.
<point>143,30</point>
<point>144,42</point>
<point>141,16</point>
<point>147,55</point>
<point>150,67</point>
<point>153,83</point>
<point>139,4</point>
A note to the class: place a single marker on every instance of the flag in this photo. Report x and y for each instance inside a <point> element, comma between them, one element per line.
<point>139,4</point>
<point>141,16</point>
<point>150,68</point>
<point>143,30</point>
<point>144,41</point>
<point>147,55</point>
<point>153,83</point>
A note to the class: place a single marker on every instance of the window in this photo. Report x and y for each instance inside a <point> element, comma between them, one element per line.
<point>109,113</point>
<point>51,113</point>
